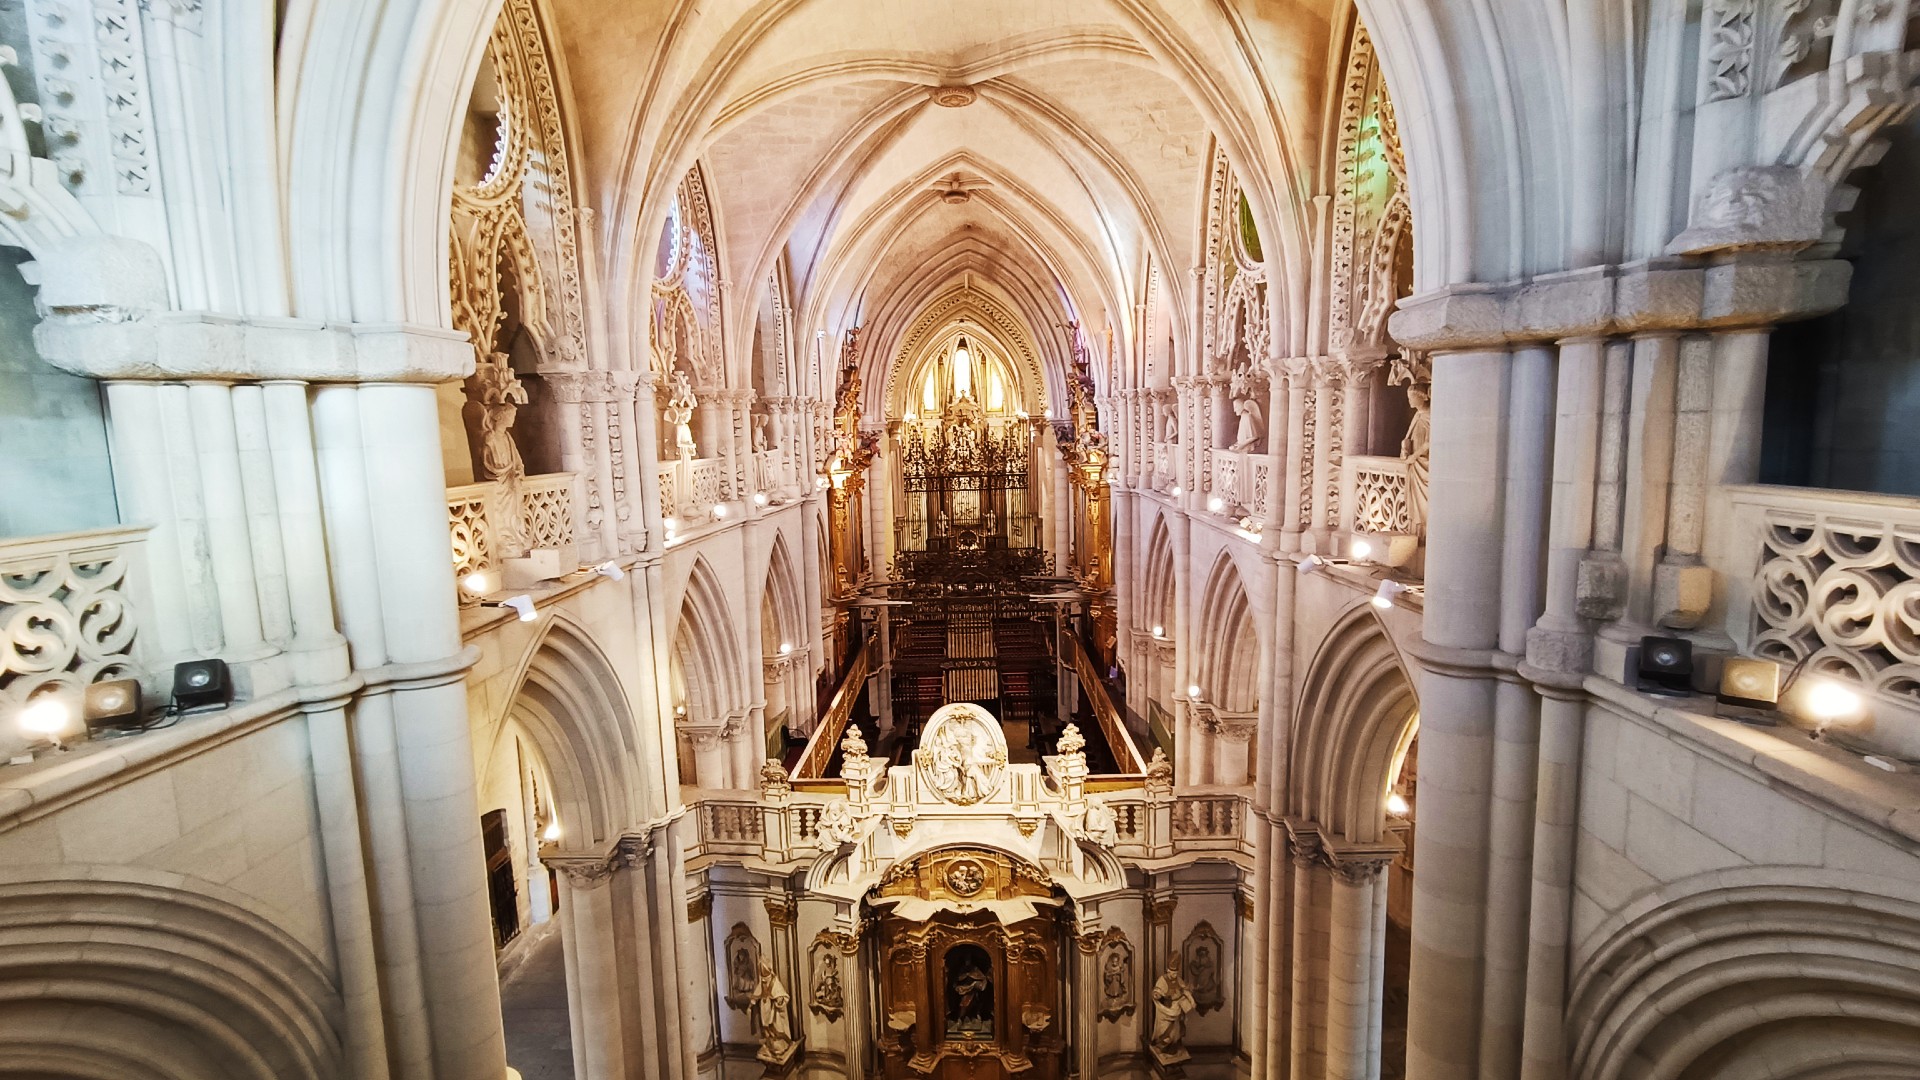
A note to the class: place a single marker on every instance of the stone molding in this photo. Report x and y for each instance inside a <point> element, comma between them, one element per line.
<point>1742,292</point>
<point>114,344</point>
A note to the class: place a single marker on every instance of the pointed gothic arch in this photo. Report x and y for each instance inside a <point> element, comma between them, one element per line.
<point>1230,641</point>
<point>1356,715</point>
<point>571,706</point>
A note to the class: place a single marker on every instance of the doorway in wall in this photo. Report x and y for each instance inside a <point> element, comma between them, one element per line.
<point>503,894</point>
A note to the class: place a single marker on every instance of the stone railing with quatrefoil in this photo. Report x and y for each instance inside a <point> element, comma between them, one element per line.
<point>1836,584</point>
<point>68,611</point>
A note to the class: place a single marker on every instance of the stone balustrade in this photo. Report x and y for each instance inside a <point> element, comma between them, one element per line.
<point>1835,584</point>
<point>1382,501</point>
<point>488,523</point>
<point>69,610</point>
<point>796,826</point>
<point>1240,479</point>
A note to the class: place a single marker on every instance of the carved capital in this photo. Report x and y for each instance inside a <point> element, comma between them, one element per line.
<point>582,872</point>
<point>1358,867</point>
<point>780,911</point>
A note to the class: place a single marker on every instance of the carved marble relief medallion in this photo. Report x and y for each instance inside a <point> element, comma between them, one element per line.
<point>963,755</point>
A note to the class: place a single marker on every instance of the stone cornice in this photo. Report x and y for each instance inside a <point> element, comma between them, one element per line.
<point>195,346</point>
<point>1749,291</point>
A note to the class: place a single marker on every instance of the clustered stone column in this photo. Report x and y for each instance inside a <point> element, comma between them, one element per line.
<point>620,919</point>
<point>1586,427</point>
<point>292,472</point>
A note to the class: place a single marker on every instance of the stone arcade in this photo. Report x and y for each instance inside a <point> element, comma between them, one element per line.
<point>1108,539</point>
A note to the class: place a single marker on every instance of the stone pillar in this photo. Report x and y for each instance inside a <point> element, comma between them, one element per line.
<point>588,936</point>
<point>712,766</point>
<point>646,462</point>
<point>1353,994</point>
<point>1323,471</point>
<point>407,495</point>
<point>1307,871</point>
<point>343,469</point>
<point>1516,709</point>
<point>1293,459</point>
<point>1457,709</point>
<point>1559,653</point>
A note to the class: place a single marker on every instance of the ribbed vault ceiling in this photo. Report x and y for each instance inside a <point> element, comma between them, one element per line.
<point>835,154</point>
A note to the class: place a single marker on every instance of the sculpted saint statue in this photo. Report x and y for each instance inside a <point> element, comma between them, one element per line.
<point>1172,1001</point>
<point>1414,451</point>
<point>771,1017</point>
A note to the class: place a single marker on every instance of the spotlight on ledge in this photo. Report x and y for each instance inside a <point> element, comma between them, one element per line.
<point>480,582</point>
<point>1397,805</point>
<point>552,833</point>
<point>719,511</point>
<point>1160,631</point>
<point>522,606</point>
<point>1830,703</point>
<point>201,684</point>
<point>786,647</point>
<point>1749,690</point>
<point>1665,665</point>
<point>1178,491</point>
<point>115,705</point>
<point>1360,548</point>
<point>610,569</point>
<point>1216,504</point>
<point>759,498</point>
<point>1310,564</point>
<point>1383,596</point>
<point>1193,691</point>
<point>47,716</point>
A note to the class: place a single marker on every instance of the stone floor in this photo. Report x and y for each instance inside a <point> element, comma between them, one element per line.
<point>533,999</point>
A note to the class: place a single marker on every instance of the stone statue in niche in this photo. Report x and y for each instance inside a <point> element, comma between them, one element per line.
<point>501,395</point>
<point>1414,451</point>
<point>760,433</point>
<point>679,413</point>
<point>772,1016</point>
<point>1201,958</point>
<point>969,992</point>
<point>1116,977</point>
<point>1173,427</point>
<point>828,997</point>
<point>1172,1001</point>
<point>742,953</point>
<point>1251,436</point>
